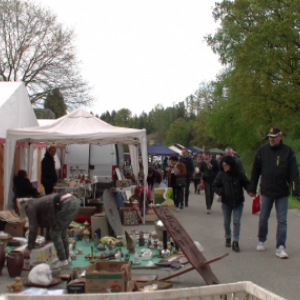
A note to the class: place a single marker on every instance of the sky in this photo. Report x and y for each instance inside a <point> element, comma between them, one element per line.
<point>139,53</point>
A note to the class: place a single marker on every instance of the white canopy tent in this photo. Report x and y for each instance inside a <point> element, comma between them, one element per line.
<point>15,107</point>
<point>79,127</point>
<point>15,112</point>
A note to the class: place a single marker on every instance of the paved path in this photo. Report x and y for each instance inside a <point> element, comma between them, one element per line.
<point>263,268</point>
<point>281,276</point>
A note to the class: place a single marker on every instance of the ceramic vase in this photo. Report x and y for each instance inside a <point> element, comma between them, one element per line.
<point>2,257</point>
<point>15,261</point>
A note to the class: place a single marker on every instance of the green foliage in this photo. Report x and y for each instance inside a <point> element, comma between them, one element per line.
<point>55,102</point>
<point>122,117</point>
<point>258,41</point>
<point>179,132</point>
<point>37,50</point>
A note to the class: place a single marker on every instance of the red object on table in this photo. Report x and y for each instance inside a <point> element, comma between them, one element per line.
<point>256,205</point>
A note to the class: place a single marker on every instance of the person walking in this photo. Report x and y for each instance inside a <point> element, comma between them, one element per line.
<point>229,184</point>
<point>49,177</point>
<point>189,164</point>
<point>276,164</point>
<point>209,169</point>
<point>176,170</point>
<point>55,212</point>
<point>229,151</point>
<point>197,174</point>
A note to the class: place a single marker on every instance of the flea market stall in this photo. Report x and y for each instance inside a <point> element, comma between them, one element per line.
<point>79,127</point>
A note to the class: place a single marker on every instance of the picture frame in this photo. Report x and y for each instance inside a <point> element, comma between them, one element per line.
<point>154,285</point>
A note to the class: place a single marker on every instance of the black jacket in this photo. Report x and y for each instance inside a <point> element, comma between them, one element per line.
<point>278,169</point>
<point>189,164</point>
<point>23,188</point>
<point>209,175</point>
<point>48,170</point>
<point>230,187</point>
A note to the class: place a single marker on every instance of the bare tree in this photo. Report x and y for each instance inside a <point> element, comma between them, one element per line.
<point>36,49</point>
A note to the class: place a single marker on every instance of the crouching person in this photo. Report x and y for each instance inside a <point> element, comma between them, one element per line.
<point>55,212</point>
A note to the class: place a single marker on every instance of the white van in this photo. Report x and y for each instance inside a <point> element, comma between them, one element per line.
<point>94,160</point>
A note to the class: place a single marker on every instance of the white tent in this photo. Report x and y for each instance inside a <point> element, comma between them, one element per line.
<point>15,112</point>
<point>79,127</point>
<point>15,107</point>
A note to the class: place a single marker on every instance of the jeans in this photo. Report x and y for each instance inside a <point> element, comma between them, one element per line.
<point>196,184</point>
<point>209,194</point>
<point>237,214</point>
<point>178,196</point>
<point>281,206</point>
<point>187,190</point>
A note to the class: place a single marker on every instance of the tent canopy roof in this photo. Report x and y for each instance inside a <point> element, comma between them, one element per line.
<point>15,107</point>
<point>216,151</point>
<point>78,127</point>
<point>158,149</point>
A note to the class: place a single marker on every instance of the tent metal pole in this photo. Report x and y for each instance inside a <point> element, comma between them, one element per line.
<point>145,194</point>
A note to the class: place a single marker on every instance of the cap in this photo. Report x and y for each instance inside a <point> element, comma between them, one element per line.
<point>274,131</point>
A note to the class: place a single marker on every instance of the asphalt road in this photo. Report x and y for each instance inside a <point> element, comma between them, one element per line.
<point>280,276</point>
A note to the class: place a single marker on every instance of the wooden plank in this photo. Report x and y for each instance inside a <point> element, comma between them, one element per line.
<point>185,243</point>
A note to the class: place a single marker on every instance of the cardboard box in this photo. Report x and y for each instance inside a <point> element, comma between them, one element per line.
<point>123,183</point>
<point>107,277</point>
<point>150,219</point>
<point>99,221</point>
<point>15,229</point>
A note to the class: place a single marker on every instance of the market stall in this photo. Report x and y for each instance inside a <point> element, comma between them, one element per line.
<point>79,127</point>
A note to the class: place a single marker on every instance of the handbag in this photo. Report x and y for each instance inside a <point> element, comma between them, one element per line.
<point>256,205</point>
<point>180,182</point>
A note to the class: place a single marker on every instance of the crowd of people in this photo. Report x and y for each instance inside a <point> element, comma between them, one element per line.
<point>274,172</point>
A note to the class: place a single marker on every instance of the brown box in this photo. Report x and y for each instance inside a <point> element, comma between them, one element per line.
<point>15,229</point>
<point>106,277</point>
<point>150,219</point>
<point>99,221</point>
<point>123,183</point>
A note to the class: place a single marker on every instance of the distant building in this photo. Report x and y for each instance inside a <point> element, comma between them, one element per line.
<point>44,113</point>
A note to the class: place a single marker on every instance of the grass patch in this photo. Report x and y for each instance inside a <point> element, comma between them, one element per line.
<point>293,203</point>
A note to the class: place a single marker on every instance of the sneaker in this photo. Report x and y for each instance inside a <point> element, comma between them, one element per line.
<point>260,246</point>
<point>181,207</point>
<point>208,212</point>
<point>177,208</point>
<point>280,252</point>
<point>63,264</point>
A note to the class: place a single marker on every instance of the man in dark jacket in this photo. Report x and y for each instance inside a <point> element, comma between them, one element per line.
<point>55,212</point>
<point>189,165</point>
<point>276,164</point>
<point>209,169</point>
<point>49,177</point>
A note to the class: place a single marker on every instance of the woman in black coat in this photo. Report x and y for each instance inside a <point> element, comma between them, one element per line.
<point>229,184</point>
<point>23,187</point>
